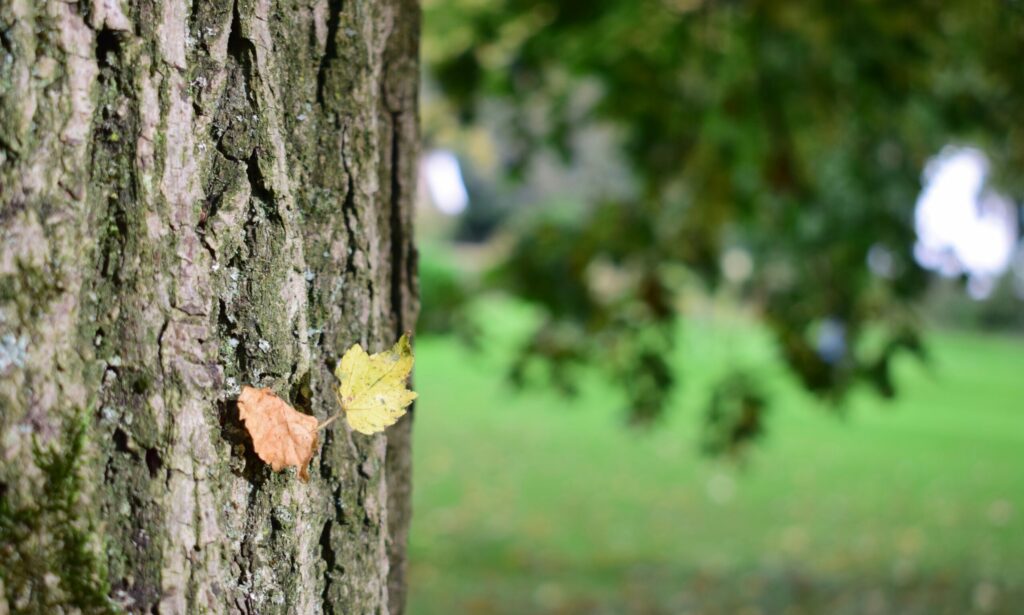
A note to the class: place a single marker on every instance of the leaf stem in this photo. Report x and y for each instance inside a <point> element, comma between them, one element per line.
<point>329,421</point>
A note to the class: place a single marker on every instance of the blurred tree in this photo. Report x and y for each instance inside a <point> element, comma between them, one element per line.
<point>775,142</point>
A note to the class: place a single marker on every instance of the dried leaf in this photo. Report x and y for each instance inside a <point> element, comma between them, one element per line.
<point>373,391</point>
<point>281,436</point>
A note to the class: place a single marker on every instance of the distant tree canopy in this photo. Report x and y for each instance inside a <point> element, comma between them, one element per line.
<point>795,132</point>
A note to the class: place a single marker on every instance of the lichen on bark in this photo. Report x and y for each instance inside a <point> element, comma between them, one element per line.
<point>48,555</point>
<point>196,196</point>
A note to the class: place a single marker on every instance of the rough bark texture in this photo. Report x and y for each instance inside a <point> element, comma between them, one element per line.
<point>199,195</point>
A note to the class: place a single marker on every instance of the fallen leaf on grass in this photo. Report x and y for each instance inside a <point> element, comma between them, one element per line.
<point>281,436</point>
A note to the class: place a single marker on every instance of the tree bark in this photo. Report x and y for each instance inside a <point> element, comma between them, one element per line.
<point>198,196</point>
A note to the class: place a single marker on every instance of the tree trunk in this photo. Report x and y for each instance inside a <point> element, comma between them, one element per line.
<point>199,195</point>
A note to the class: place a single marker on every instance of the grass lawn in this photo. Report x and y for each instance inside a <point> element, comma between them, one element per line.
<point>532,503</point>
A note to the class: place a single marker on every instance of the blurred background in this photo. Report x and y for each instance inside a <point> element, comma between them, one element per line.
<point>722,308</point>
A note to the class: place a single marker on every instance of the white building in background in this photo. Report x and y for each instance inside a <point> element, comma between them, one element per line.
<point>962,227</point>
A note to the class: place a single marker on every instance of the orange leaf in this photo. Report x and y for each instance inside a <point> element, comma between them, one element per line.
<point>281,436</point>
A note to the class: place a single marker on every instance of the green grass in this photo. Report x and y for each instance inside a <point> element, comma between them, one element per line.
<point>532,503</point>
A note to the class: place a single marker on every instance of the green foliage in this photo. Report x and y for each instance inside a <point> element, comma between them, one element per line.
<point>794,132</point>
<point>48,557</point>
<point>491,208</point>
<point>735,414</point>
<point>444,297</point>
<point>602,301</point>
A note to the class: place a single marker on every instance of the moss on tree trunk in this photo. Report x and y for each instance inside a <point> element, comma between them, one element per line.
<point>197,196</point>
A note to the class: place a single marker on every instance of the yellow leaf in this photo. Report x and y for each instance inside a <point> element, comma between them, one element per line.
<point>372,393</point>
<point>281,436</point>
